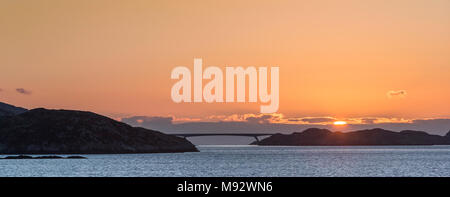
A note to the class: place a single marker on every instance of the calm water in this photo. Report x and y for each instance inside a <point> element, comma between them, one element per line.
<point>249,161</point>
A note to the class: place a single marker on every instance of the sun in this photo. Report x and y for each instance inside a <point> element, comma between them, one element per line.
<point>339,123</point>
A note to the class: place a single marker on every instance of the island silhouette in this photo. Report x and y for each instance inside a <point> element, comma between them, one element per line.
<point>44,131</point>
<point>367,137</point>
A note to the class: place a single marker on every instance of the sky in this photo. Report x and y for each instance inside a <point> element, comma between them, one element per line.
<point>360,61</point>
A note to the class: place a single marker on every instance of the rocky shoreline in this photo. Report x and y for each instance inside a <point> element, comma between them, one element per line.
<point>43,157</point>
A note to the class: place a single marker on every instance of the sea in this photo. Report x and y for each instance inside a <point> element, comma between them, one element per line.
<point>248,161</point>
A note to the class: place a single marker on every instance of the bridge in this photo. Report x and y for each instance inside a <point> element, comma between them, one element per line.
<point>255,135</point>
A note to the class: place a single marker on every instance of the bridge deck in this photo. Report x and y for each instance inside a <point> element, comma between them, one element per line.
<point>221,134</point>
<point>254,135</point>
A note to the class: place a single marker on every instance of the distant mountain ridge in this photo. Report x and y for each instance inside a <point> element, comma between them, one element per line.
<point>10,110</point>
<point>369,137</point>
<point>43,131</point>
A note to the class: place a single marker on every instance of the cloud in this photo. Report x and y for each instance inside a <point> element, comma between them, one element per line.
<point>368,120</point>
<point>23,91</point>
<point>318,120</point>
<point>263,119</point>
<point>396,93</point>
<point>153,122</point>
<point>251,118</point>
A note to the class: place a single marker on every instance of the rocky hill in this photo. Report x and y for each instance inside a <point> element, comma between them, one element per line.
<point>10,110</point>
<point>324,137</point>
<point>42,131</point>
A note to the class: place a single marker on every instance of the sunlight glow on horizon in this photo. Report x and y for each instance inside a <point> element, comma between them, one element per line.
<point>339,123</point>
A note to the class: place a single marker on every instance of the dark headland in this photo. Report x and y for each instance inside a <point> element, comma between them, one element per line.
<point>370,137</point>
<point>10,110</point>
<point>43,131</point>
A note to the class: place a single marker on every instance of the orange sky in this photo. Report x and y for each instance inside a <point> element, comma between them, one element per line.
<point>336,58</point>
